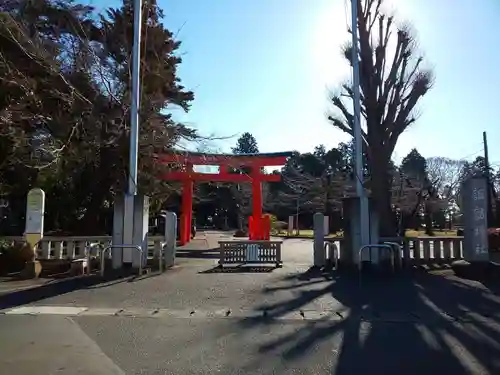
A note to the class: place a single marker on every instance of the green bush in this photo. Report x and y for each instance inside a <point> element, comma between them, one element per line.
<point>279,226</point>
<point>13,257</point>
<point>241,233</point>
<point>276,226</point>
<point>5,246</point>
<point>494,239</point>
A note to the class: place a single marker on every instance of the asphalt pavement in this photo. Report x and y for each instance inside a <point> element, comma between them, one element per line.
<point>56,344</point>
<point>196,320</point>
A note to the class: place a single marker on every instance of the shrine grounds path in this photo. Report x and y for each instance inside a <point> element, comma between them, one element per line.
<point>194,319</point>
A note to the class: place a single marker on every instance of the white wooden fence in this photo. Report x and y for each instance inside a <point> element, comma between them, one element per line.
<point>423,250</point>
<point>76,247</point>
<point>415,250</point>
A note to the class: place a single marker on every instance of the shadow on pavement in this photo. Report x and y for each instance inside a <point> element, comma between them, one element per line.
<point>198,254</point>
<point>407,324</point>
<point>487,274</point>
<point>11,299</point>
<point>240,269</point>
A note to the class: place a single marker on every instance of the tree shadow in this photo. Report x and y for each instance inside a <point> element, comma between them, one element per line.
<point>487,274</point>
<point>240,269</point>
<point>406,324</point>
<point>57,287</point>
<point>198,254</point>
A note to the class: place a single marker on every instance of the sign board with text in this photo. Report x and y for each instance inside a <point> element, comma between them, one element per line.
<point>252,253</point>
<point>475,209</point>
<point>35,210</point>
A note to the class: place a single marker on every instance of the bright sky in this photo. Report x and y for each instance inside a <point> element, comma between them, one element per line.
<point>265,66</point>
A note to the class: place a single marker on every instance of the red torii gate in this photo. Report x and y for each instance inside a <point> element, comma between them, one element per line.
<point>224,161</point>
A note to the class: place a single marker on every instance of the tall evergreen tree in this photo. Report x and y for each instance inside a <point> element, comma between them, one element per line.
<point>64,108</point>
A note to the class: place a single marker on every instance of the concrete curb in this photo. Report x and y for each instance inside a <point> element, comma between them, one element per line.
<point>395,317</point>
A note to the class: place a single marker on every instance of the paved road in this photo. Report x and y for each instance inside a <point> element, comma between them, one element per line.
<point>165,345</point>
<point>289,321</point>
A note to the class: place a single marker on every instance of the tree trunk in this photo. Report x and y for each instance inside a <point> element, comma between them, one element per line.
<point>94,220</point>
<point>381,185</point>
<point>497,211</point>
<point>429,229</point>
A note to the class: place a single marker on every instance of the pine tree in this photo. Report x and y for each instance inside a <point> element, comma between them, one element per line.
<point>64,107</point>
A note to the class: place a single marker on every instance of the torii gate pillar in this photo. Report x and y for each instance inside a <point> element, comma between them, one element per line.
<point>186,212</point>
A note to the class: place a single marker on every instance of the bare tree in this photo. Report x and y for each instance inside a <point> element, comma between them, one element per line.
<point>405,192</point>
<point>391,84</point>
<point>310,193</point>
<point>496,181</point>
<point>446,175</point>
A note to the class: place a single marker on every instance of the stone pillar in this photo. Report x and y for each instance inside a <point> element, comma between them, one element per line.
<point>170,238</point>
<point>140,231</point>
<point>290,225</point>
<point>475,208</point>
<point>350,245</point>
<point>33,232</point>
<point>117,236</point>
<point>377,255</point>
<point>130,227</point>
<point>319,239</point>
<point>352,235</point>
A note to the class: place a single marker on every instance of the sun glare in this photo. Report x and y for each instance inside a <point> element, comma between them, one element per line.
<point>328,35</point>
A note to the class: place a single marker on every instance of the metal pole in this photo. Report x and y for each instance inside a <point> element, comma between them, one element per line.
<point>358,139</point>
<point>297,217</point>
<point>136,99</point>
<point>486,158</point>
<point>488,182</point>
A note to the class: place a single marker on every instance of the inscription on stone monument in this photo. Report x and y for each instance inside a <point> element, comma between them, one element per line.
<point>476,220</point>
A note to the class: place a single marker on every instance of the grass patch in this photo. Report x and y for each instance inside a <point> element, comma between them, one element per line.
<point>309,233</point>
<point>437,233</point>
